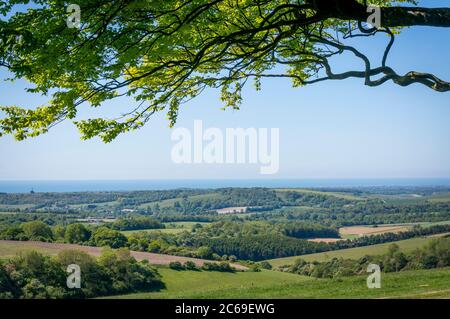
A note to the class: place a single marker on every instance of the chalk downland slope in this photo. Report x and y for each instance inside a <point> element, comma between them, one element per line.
<point>431,283</point>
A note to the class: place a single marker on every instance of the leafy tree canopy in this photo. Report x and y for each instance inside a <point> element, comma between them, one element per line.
<point>162,53</point>
<point>107,237</point>
<point>77,233</point>
<point>37,230</point>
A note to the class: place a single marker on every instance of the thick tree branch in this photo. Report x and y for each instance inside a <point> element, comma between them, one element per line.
<point>405,17</point>
<point>390,16</point>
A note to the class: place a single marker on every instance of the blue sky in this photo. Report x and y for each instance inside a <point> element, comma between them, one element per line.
<point>338,129</point>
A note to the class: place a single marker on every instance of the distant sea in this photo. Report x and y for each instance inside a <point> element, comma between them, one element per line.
<point>23,186</point>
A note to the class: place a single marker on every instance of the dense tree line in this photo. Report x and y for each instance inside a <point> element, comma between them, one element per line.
<point>73,234</point>
<point>222,266</point>
<point>7,220</point>
<point>260,247</point>
<point>34,230</point>
<point>135,223</point>
<point>247,240</point>
<point>240,228</point>
<point>34,275</point>
<point>308,230</point>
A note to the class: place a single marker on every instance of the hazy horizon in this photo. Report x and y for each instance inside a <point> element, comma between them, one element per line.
<point>24,186</point>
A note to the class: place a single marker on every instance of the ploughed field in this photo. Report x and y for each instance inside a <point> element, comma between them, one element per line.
<point>360,231</point>
<point>9,248</point>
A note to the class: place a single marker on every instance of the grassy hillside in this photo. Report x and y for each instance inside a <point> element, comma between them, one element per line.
<point>271,284</point>
<point>182,284</point>
<point>355,253</point>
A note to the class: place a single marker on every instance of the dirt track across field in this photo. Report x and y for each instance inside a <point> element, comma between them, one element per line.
<point>54,248</point>
<point>325,240</point>
<point>369,230</point>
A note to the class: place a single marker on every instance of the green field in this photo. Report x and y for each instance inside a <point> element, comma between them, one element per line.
<point>102,204</point>
<point>429,224</point>
<point>422,224</point>
<point>171,228</point>
<point>350,236</point>
<point>181,284</point>
<point>163,230</point>
<point>187,225</point>
<point>433,283</point>
<point>407,245</point>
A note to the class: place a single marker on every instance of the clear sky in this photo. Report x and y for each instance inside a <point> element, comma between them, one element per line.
<point>339,129</point>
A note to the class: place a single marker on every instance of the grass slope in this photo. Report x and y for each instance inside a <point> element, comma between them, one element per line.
<point>433,283</point>
<point>355,253</point>
<point>182,284</point>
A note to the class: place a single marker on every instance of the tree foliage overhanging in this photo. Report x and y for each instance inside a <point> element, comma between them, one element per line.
<point>164,53</point>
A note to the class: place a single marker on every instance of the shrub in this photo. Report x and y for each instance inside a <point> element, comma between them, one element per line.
<point>104,236</point>
<point>127,274</point>
<point>222,267</point>
<point>13,233</point>
<point>176,265</point>
<point>77,234</point>
<point>204,252</point>
<point>255,268</point>
<point>37,230</point>
<point>94,279</point>
<point>190,265</point>
<point>265,265</point>
<point>33,275</point>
